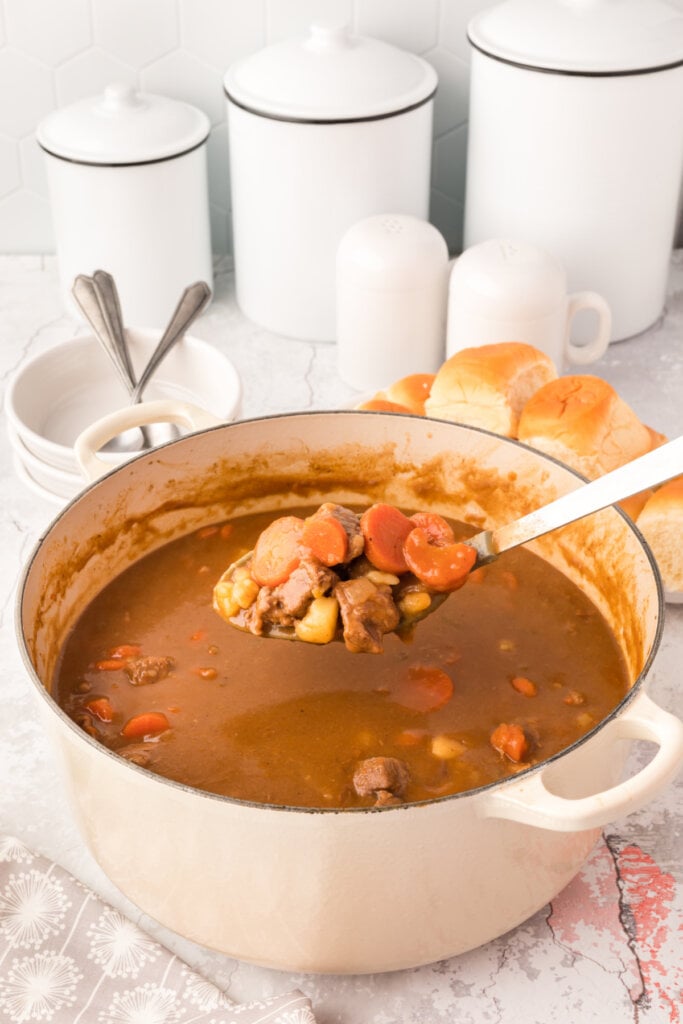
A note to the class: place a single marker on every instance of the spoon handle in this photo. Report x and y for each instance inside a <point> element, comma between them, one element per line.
<point>109,300</point>
<point>87,296</point>
<point>649,470</point>
<point>193,300</point>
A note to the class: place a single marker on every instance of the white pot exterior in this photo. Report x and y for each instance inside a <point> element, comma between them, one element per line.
<point>588,167</point>
<point>297,188</point>
<point>344,891</point>
<point>147,224</point>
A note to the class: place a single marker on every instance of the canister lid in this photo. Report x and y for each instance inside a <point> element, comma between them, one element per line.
<point>582,37</point>
<point>121,127</point>
<point>330,75</point>
<point>505,278</point>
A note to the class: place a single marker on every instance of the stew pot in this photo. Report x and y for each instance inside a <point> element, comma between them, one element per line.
<point>354,890</point>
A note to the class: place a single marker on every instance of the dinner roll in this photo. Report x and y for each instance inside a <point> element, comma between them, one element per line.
<point>378,404</point>
<point>488,386</point>
<point>661,523</point>
<point>583,422</point>
<point>411,391</point>
<point>656,439</point>
<point>634,505</point>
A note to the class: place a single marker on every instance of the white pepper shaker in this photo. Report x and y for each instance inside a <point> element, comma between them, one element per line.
<point>392,286</point>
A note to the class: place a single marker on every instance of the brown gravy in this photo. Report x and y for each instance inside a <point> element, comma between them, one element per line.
<point>286,723</point>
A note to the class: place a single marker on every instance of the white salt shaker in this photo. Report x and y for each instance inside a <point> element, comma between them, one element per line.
<point>391,292</point>
<point>509,290</point>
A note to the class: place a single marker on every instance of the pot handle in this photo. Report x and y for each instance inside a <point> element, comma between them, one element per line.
<point>530,801</point>
<point>167,410</point>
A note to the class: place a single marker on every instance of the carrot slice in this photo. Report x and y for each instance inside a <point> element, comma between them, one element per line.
<point>326,538</point>
<point>441,567</point>
<point>510,740</point>
<point>145,724</point>
<point>384,529</point>
<point>101,708</point>
<point>277,553</point>
<point>524,686</point>
<point>125,651</point>
<point>426,688</point>
<point>411,737</point>
<point>110,664</point>
<point>207,531</point>
<point>437,528</point>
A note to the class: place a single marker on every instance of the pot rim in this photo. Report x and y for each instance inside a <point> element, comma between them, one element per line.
<point>152,778</point>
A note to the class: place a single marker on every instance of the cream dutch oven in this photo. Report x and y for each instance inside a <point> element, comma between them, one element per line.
<point>360,890</point>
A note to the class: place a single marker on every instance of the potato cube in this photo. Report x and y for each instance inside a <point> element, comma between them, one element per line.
<point>319,624</point>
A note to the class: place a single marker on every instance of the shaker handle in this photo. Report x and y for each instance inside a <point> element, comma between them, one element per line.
<point>581,355</point>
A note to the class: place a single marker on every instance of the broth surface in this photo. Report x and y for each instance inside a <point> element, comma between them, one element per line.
<point>287,723</point>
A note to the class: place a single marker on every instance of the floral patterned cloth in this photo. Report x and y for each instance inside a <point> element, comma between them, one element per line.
<point>68,958</point>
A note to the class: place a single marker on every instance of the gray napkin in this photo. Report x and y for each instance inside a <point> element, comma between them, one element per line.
<point>68,958</point>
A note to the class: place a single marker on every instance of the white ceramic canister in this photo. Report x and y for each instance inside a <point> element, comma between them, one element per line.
<point>392,282</point>
<point>324,131</point>
<point>129,193</point>
<point>505,290</point>
<point>576,141</point>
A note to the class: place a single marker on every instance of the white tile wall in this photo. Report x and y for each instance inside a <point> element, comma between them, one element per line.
<point>53,52</point>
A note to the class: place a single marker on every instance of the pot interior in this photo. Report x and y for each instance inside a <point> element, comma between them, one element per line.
<point>350,457</point>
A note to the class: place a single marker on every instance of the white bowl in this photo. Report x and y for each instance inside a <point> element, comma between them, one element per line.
<point>46,493</point>
<point>54,396</point>
<point>58,483</point>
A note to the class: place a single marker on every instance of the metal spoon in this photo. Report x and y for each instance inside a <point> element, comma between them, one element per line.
<point>656,467</point>
<point>107,293</point>
<point>100,308</point>
<point>192,302</point>
<point>97,298</point>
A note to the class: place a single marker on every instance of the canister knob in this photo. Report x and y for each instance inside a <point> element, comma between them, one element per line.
<point>328,35</point>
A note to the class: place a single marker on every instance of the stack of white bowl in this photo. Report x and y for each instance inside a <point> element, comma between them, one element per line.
<point>57,394</point>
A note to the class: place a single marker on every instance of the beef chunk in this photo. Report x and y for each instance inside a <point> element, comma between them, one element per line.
<point>309,580</point>
<point>387,799</point>
<point>384,776</point>
<point>148,669</point>
<point>368,612</point>
<point>288,601</point>
<point>350,520</point>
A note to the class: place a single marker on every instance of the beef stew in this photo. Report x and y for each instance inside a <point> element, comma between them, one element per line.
<point>513,668</point>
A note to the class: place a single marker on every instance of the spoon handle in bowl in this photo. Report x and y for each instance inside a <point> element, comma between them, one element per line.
<point>194,299</point>
<point>109,300</point>
<point>655,467</point>
<point>87,296</point>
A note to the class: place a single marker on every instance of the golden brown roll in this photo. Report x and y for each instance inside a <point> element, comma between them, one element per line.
<point>411,391</point>
<point>656,438</point>
<point>661,523</point>
<point>634,505</point>
<point>489,385</point>
<point>582,421</point>
<point>378,404</point>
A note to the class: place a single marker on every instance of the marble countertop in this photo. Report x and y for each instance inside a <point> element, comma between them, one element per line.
<point>607,949</point>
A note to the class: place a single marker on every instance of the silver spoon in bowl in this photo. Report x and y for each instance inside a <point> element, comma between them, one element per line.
<point>649,470</point>
<point>193,301</point>
<point>98,299</point>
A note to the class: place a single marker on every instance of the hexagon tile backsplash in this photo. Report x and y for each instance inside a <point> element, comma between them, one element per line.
<point>53,52</point>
